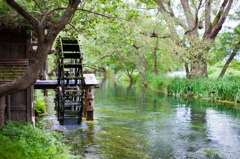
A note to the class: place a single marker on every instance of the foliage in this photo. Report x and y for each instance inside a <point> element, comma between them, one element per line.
<point>23,141</point>
<point>39,103</point>
<point>227,88</point>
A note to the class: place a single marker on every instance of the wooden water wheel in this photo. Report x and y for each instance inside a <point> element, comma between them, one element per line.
<point>70,92</point>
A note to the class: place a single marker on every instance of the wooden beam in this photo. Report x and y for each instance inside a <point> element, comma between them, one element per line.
<point>2,110</point>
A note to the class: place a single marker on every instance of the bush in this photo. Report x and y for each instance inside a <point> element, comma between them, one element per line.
<point>23,141</point>
<point>39,103</point>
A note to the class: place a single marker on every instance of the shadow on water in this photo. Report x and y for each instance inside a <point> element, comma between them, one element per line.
<point>134,122</point>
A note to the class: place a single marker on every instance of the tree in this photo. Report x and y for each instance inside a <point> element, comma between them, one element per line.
<point>47,19</point>
<point>234,40</point>
<point>195,13</point>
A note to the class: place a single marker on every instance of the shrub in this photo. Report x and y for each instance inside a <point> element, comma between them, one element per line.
<point>39,103</point>
<point>23,141</point>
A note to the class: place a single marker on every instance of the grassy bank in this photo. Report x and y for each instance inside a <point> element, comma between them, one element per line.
<point>227,88</point>
<point>23,141</point>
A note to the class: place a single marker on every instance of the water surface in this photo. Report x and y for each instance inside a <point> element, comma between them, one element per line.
<point>132,122</point>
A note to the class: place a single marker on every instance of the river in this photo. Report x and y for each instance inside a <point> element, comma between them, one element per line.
<point>133,122</point>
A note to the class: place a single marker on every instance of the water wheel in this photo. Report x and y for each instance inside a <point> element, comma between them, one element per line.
<point>70,92</point>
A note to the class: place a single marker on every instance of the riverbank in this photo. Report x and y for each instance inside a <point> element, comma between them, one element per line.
<point>26,141</point>
<point>224,89</point>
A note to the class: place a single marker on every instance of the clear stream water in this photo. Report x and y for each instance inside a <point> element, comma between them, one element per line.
<point>132,122</point>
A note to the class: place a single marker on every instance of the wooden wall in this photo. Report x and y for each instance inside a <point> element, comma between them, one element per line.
<point>12,45</point>
<point>19,106</point>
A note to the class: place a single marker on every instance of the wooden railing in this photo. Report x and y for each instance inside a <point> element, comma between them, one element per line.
<point>11,69</point>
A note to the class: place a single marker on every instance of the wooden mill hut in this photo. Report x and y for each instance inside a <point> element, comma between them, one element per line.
<point>13,64</point>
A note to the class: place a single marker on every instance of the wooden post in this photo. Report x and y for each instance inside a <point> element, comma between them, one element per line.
<point>89,102</point>
<point>2,110</point>
<point>90,83</point>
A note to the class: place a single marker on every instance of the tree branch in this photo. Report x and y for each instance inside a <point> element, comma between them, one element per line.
<point>75,28</point>
<point>24,13</point>
<point>220,18</point>
<point>220,12</point>
<point>155,35</point>
<point>196,18</point>
<point>89,11</point>
<point>173,33</point>
<point>39,6</point>
<point>49,12</point>
<point>110,54</point>
<point>192,23</point>
<point>170,13</point>
<point>207,15</point>
<point>62,8</point>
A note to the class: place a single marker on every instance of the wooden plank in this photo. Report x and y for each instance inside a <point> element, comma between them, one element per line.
<point>7,80</point>
<point>5,52</point>
<point>19,115</point>
<point>9,107</point>
<point>22,53</point>
<point>29,104</point>
<point>1,52</point>
<point>14,51</point>
<point>12,74</point>
<point>2,110</point>
<point>8,61</point>
<point>19,99</point>
<point>20,108</point>
<point>90,79</point>
<point>7,69</point>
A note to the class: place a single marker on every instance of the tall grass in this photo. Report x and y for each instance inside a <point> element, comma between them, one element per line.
<point>227,88</point>
<point>224,89</point>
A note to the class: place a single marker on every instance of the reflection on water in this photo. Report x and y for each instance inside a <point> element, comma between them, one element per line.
<point>133,122</point>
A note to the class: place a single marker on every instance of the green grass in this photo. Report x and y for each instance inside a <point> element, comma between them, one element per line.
<point>226,88</point>
<point>23,141</point>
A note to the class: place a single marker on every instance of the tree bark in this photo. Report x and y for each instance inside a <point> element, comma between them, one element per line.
<point>186,69</point>
<point>145,63</point>
<point>131,79</point>
<point>45,70</point>
<point>141,73</point>
<point>2,110</point>
<point>140,63</point>
<point>198,68</point>
<point>155,58</point>
<point>235,50</point>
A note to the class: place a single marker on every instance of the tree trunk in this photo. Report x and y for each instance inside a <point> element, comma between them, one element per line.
<point>235,50</point>
<point>186,69</point>
<point>145,63</point>
<point>45,70</point>
<point>2,110</point>
<point>131,79</point>
<point>142,75</point>
<point>198,68</point>
<point>155,58</point>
